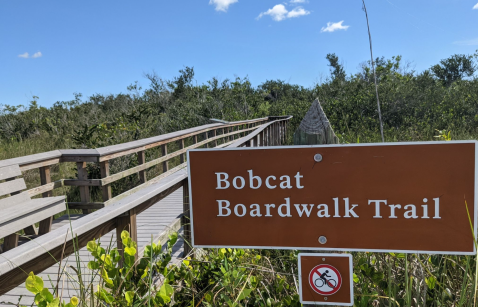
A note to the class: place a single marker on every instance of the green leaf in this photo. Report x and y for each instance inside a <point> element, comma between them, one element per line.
<point>47,296</point>
<point>54,303</point>
<point>165,293</point>
<point>245,293</point>
<point>124,235</point>
<point>93,265</point>
<point>34,283</point>
<point>129,296</point>
<point>130,251</point>
<point>92,246</point>
<point>431,282</point>
<point>356,279</point>
<point>173,238</point>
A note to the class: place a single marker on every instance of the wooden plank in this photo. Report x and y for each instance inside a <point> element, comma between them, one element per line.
<point>27,208</point>
<point>17,220</point>
<point>106,188</point>
<point>13,200</point>
<point>31,159</point>
<point>77,205</point>
<point>152,163</point>
<point>147,204</point>
<point>84,190</point>
<point>82,182</point>
<point>12,186</point>
<point>44,188</point>
<point>114,151</point>
<point>39,164</point>
<point>142,160</point>
<point>10,172</point>
<point>153,180</point>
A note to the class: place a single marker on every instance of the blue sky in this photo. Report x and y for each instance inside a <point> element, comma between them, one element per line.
<point>52,49</point>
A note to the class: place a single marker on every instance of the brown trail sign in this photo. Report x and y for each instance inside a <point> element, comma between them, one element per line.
<point>407,197</point>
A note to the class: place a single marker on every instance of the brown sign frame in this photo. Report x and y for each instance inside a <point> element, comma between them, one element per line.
<point>336,258</point>
<point>471,207</point>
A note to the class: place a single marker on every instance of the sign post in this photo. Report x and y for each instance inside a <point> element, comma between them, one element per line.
<point>326,279</point>
<point>401,197</point>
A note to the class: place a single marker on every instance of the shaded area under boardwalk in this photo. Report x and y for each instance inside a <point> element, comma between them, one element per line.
<point>151,223</point>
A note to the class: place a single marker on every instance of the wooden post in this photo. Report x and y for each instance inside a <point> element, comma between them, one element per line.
<point>186,219</point>
<point>223,132</point>
<point>195,139</point>
<point>10,242</point>
<point>142,160</point>
<point>164,151</point>
<point>205,137</point>
<point>45,178</point>
<point>213,135</point>
<point>84,190</point>
<point>126,222</point>
<point>181,146</point>
<point>105,172</point>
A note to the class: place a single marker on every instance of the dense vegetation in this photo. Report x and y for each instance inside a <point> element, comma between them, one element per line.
<point>414,106</point>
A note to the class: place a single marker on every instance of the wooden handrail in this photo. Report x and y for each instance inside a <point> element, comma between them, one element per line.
<point>248,138</point>
<point>104,154</point>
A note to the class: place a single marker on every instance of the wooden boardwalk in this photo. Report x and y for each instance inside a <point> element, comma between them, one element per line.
<point>151,224</point>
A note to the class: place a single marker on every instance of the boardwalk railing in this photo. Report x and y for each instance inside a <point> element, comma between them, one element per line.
<point>119,212</point>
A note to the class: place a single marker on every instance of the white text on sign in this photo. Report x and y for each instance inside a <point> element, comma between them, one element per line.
<point>288,208</point>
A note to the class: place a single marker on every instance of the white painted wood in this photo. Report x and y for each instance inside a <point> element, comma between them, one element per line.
<point>8,187</point>
<point>18,217</point>
<point>13,201</point>
<point>10,172</point>
<point>31,158</point>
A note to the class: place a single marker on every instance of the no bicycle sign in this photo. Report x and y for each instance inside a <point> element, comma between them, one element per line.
<point>404,197</point>
<point>326,279</point>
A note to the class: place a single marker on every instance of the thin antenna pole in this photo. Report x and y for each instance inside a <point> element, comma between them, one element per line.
<point>374,75</point>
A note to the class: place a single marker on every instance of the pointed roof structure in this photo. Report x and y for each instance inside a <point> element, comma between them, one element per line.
<point>315,128</point>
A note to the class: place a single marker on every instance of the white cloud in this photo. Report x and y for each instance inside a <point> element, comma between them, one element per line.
<point>298,1</point>
<point>297,12</point>
<point>222,5</point>
<point>37,55</point>
<point>470,42</point>
<point>279,12</point>
<point>475,7</point>
<point>24,55</point>
<point>334,26</point>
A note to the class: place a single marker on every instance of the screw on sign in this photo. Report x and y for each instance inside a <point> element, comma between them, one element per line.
<point>325,279</point>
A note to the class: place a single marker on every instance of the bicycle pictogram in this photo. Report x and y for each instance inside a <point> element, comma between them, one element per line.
<point>325,279</point>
